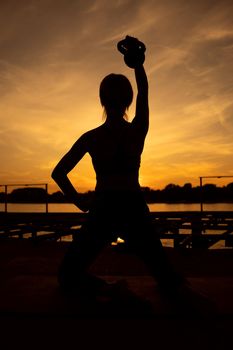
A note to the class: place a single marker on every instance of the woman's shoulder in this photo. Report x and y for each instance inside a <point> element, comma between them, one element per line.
<point>105,129</point>
<point>93,133</point>
<point>98,130</point>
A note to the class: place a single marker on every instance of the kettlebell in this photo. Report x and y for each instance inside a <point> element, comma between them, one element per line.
<point>133,51</point>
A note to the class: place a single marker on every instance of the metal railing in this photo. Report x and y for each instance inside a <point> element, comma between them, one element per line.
<point>24,185</point>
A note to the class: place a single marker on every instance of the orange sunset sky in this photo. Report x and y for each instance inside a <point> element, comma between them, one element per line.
<point>54,53</point>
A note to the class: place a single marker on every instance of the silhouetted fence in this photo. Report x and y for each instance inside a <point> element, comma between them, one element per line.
<point>40,195</point>
<point>184,229</point>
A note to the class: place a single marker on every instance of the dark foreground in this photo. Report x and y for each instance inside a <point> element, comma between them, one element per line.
<point>31,303</point>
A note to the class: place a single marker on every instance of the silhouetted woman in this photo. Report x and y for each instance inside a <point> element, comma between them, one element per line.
<point>118,208</point>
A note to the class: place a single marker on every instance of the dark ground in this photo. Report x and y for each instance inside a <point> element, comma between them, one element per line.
<point>31,304</point>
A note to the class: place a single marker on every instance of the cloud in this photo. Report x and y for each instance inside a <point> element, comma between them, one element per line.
<point>54,54</point>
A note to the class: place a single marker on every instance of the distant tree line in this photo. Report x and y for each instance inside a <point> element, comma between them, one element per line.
<point>172,193</point>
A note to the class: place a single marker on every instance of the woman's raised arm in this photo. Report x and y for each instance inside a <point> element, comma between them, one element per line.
<point>134,56</point>
<point>141,119</point>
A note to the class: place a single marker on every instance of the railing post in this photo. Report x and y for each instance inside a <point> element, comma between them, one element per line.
<point>201,199</point>
<point>46,203</point>
<point>5,186</point>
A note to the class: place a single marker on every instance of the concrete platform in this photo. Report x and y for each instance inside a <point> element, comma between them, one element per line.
<point>31,300</point>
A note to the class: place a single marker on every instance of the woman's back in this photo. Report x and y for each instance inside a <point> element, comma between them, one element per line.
<point>115,149</point>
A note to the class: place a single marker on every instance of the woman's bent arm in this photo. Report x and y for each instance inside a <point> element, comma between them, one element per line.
<point>65,165</point>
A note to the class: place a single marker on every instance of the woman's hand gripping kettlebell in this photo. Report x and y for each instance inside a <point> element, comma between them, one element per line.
<point>133,51</point>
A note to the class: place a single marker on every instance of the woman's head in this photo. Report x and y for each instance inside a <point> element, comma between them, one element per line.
<point>116,93</point>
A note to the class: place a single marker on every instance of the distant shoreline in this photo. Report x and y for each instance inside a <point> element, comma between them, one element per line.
<point>208,193</point>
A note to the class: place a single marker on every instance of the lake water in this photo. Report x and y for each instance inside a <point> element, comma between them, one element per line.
<point>67,207</point>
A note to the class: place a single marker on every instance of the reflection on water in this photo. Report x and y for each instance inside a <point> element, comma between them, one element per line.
<point>71,208</point>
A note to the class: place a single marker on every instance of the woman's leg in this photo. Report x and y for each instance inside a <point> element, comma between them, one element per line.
<point>145,242</point>
<point>83,250</point>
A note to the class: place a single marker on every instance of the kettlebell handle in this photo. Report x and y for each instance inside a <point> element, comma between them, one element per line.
<point>130,44</point>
